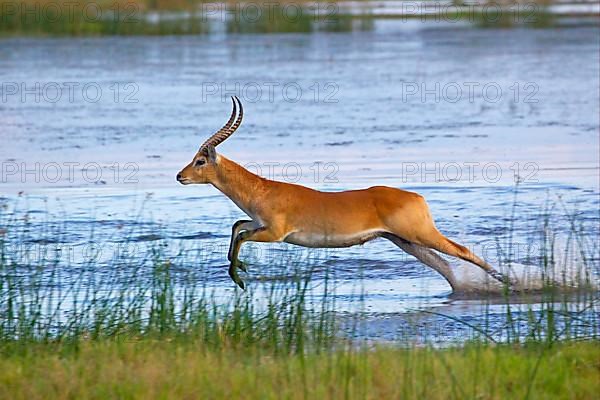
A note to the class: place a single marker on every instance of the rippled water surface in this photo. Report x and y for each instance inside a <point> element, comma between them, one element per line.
<point>452,112</point>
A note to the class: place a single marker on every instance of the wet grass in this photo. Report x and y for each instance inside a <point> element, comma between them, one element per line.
<point>185,17</point>
<point>94,18</point>
<point>145,325</point>
<point>146,17</point>
<point>69,305</point>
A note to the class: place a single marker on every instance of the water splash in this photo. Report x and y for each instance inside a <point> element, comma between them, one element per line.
<point>529,278</point>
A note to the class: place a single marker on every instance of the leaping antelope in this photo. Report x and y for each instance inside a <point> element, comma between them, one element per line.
<point>285,212</point>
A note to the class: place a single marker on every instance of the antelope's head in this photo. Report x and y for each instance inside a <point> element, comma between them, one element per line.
<point>203,167</point>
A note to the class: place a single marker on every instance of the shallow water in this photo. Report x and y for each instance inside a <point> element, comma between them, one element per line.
<point>449,111</point>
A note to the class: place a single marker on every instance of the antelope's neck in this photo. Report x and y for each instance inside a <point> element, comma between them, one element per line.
<point>242,186</point>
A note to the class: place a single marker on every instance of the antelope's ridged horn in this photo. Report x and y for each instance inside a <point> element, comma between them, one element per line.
<point>238,121</point>
<point>228,129</point>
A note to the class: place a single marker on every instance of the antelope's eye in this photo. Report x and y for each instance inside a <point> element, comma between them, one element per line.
<point>199,162</point>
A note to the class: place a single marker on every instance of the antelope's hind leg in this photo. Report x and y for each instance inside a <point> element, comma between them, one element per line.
<point>426,256</point>
<point>439,242</point>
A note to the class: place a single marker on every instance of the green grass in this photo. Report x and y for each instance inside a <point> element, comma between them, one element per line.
<point>146,368</point>
<point>144,326</point>
<point>146,17</point>
<point>185,17</point>
<point>96,18</point>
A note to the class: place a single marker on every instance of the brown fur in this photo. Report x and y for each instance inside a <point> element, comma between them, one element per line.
<point>300,215</point>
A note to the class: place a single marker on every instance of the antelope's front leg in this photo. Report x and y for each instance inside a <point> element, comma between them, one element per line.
<point>241,225</point>
<point>261,234</point>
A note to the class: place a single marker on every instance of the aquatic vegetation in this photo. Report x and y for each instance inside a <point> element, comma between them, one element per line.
<point>151,326</point>
<point>184,17</point>
<point>98,18</point>
<point>150,291</point>
<point>126,17</point>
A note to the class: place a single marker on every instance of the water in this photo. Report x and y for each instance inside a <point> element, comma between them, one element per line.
<point>452,112</point>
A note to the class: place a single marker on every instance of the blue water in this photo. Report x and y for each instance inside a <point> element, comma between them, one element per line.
<point>452,112</point>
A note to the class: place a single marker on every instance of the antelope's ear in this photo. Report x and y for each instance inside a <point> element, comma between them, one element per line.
<point>210,153</point>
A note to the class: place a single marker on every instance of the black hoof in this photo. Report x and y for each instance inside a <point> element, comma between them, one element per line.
<point>234,276</point>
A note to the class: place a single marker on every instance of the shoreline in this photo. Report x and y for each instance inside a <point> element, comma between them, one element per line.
<point>135,19</point>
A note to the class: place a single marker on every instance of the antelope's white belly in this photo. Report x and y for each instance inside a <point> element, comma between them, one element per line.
<point>319,239</point>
